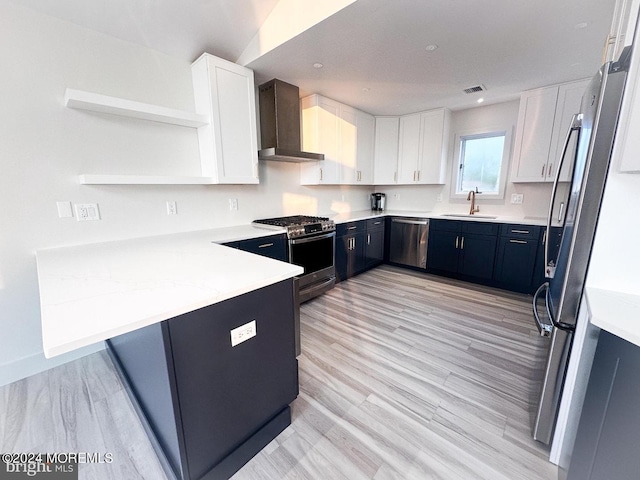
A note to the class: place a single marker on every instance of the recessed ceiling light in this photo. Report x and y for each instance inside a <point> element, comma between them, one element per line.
<point>318,65</point>
<point>480,100</point>
<point>581,25</point>
<point>431,48</point>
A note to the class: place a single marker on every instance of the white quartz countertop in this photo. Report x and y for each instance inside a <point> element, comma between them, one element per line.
<point>365,214</point>
<point>90,293</point>
<point>615,312</point>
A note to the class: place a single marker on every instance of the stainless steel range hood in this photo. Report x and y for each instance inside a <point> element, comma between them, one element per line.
<point>280,124</point>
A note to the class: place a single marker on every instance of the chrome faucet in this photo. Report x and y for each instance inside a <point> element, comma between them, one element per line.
<point>472,197</point>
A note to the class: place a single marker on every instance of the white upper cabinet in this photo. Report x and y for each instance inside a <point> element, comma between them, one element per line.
<point>385,158</point>
<point>229,144</point>
<point>321,133</point>
<point>422,150</point>
<point>543,121</point>
<point>344,135</point>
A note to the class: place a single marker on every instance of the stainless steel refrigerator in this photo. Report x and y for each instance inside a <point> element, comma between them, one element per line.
<point>587,152</point>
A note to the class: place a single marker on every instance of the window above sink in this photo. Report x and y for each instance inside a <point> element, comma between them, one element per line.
<point>481,160</point>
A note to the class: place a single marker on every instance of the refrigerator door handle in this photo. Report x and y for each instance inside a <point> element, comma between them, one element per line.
<point>567,327</point>
<point>545,329</point>
<point>576,125</point>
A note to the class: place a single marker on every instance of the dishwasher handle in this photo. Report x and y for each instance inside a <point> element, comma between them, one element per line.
<point>410,221</point>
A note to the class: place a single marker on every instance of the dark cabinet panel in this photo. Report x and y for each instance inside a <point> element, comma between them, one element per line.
<point>374,248</point>
<point>209,405</point>
<point>248,383</point>
<point>515,262</point>
<point>465,249</point>
<point>350,255</point>
<point>477,255</point>
<point>608,435</point>
<point>443,251</point>
<point>274,246</point>
<point>359,246</point>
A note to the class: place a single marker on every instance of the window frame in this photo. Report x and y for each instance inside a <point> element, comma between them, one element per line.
<point>486,132</point>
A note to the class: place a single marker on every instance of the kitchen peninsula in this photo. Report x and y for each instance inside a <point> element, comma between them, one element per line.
<point>202,336</point>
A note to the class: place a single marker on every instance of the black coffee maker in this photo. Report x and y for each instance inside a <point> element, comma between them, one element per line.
<point>378,201</point>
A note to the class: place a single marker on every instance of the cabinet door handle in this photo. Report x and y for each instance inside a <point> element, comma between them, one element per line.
<point>414,175</point>
<point>368,239</point>
<point>550,170</point>
<point>456,241</point>
<point>320,173</point>
<point>518,241</point>
<point>265,245</point>
<point>354,242</point>
<point>462,244</point>
<point>544,237</point>
<point>377,223</point>
<point>542,172</point>
<point>520,231</point>
<point>352,228</point>
<point>418,175</point>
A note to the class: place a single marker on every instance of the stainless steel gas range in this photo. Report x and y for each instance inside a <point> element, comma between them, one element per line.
<point>311,246</point>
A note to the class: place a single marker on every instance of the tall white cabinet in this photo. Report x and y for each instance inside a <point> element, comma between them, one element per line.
<point>422,153</point>
<point>543,121</point>
<point>346,138</point>
<point>385,158</point>
<point>229,143</point>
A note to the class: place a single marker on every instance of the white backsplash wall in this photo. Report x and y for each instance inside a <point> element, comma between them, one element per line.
<point>45,146</point>
<point>425,197</point>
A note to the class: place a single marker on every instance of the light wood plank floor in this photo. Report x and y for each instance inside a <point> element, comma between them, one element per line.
<point>402,376</point>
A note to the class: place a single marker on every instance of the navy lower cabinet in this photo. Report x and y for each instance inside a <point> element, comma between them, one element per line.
<point>273,246</point>
<point>516,257</point>
<point>350,249</point>
<point>207,405</point>
<point>606,446</point>
<point>464,249</point>
<point>374,244</point>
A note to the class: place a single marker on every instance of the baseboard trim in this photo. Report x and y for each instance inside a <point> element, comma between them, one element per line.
<point>33,364</point>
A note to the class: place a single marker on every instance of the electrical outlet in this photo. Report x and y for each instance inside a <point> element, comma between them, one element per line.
<point>87,211</point>
<point>233,204</point>
<point>396,196</point>
<point>243,333</point>
<point>517,198</point>
<point>172,208</point>
<point>439,197</point>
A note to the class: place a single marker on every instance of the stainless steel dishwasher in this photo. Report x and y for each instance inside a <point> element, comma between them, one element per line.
<point>408,242</point>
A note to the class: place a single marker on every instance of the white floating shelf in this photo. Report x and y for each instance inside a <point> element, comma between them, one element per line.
<point>143,180</point>
<point>95,102</point>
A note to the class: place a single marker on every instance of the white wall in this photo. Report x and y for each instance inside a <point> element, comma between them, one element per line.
<point>424,197</point>
<point>44,146</point>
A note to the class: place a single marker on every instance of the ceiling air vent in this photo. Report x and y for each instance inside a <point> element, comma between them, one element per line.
<point>477,88</point>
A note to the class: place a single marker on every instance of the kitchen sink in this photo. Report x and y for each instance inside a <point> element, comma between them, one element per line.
<point>467,215</point>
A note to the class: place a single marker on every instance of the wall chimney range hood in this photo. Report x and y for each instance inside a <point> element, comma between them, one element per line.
<point>280,124</point>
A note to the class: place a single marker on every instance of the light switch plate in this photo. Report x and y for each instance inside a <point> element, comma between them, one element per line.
<point>64,209</point>
<point>233,204</point>
<point>172,208</point>
<point>243,333</point>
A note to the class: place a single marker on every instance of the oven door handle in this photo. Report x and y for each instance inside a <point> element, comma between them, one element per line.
<point>299,241</point>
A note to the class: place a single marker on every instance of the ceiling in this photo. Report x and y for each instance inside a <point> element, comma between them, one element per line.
<point>374,52</point>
